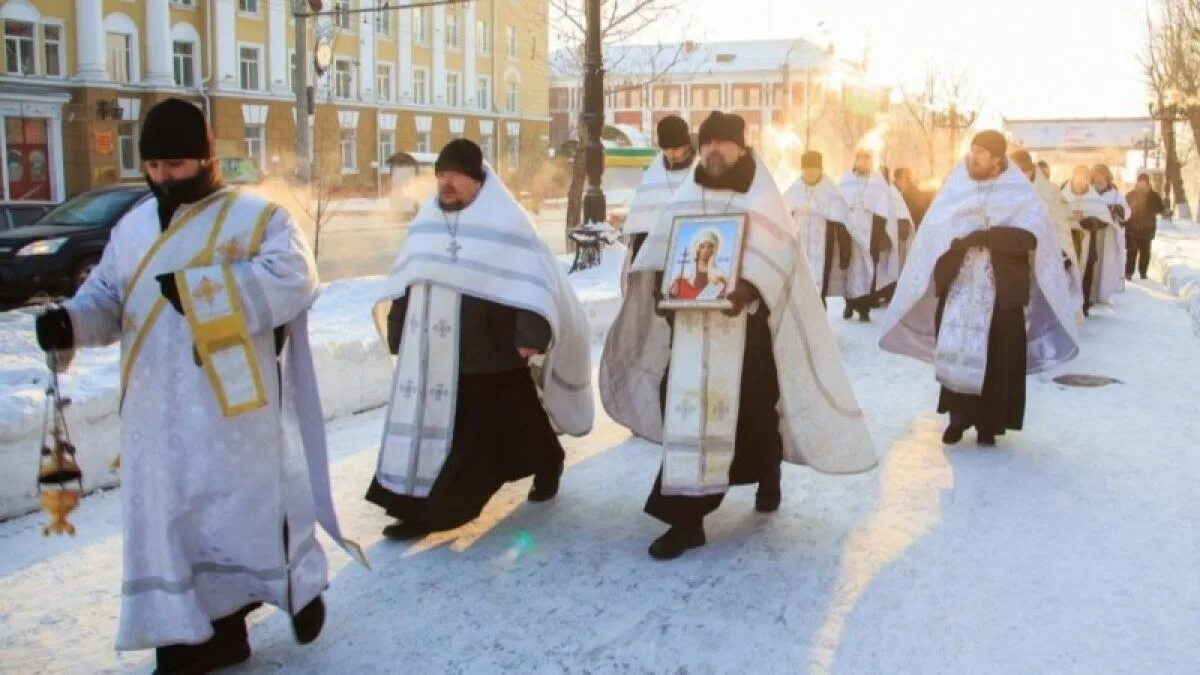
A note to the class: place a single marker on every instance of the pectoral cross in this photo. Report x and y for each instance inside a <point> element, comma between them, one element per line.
<point>453,250</point>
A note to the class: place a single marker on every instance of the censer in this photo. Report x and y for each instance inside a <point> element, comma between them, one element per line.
<point>60,482</point>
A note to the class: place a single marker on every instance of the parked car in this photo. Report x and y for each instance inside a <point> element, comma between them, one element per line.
<point>20,214</point>
<point>54,256</point>
<point>240,171</point>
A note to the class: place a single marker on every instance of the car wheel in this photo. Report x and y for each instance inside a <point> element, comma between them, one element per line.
<point>81,273</point>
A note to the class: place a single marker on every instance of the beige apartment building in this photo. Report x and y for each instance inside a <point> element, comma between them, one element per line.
<point>78,75</point>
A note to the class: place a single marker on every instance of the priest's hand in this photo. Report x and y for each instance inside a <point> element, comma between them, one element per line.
<point>527,353</point>
<point>54,331</point>
<point>170,290</point>
<point>742,296</point>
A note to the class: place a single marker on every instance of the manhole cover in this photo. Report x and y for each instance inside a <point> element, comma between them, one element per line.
<point>1086,380</point>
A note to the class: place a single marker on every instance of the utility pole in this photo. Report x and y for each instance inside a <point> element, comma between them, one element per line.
<point>303,170</point>
<point>594,207</point>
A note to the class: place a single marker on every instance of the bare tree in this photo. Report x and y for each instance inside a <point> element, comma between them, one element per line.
<point>630,68</point>
<point>939,88</point>
<point>1171,63</point>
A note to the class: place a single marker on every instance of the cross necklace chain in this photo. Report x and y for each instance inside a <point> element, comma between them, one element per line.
<point>454,246</point>
<point>981,199</point>
<point>704,200</point>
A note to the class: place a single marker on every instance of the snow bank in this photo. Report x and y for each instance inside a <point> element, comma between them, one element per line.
<point>352,367</point>
<point>1176,262</point>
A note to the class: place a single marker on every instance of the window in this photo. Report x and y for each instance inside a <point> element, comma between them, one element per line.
<point>453,90</point>
<point>185,61</point>
<point>293,76</point>
<point>511,103</point>
<point>452,40</point>
<point>514,152</point>
<point>487,145</point>
<point>256,143</point>
<point>343,78</point>
<point>191,4</point>
<point>483,38</point>
<point>485,93</point>
<point>127,148</point>
<point>52,44</point>
<point>387,148</point>
<point>510,36</point>
<point>383,24</point>
<point>341,14</point>
<point>424,144</point>
<point>420,86</point>
<point>249,68</point>
<point>119,56</point>
<point>248,6</point>
<point>420,26</point>
<point>349,145</point>
<point>383,81</point>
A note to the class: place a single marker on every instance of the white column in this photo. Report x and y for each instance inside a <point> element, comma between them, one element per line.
<point>366,54</point>
<point>277,56</point>
<point>439,56</point>
<point>404,57</point>
<point>227,52</point>
<point>471,85</point>
<point>160,70</point>
<point>89,41</point>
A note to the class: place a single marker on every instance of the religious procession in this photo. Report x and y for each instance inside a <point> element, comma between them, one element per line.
<point>540,487</point>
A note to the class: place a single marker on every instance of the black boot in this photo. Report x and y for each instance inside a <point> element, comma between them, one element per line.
<point>179,660</point>
<point>307,623</point>
<point>986,439</point>
<point>954,433</point>
<point>864,314</point>
<point>848,312</point>
<point>676,541</point>
<point>769,494</point>
<point>404,531</point>
<point>545,485</point>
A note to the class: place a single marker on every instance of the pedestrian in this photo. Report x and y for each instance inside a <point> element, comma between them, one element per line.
<point>1146,206</point>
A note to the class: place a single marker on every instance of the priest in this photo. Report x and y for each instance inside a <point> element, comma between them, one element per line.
<point>1060,216</point>
<point>1099,245</point>
<point>772,387</point>
<point>873,219</point>
<point>207,288</point>
<point>984,298</point>
<point>492,355</point>
<point>820,214</point>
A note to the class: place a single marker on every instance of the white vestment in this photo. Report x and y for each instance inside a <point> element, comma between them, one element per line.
<point>821,424</point>
<point>207,485</point>
<point>870,196</point>
<point>1060,215</point>
<point>960,350</point>
<point>652,194</point>
<point>1108,276</point>
<point>813,208</point>
<point>495,254</point>
<point>900,209</point>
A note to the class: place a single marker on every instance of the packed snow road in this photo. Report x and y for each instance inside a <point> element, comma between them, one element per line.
<point>1068,548</point>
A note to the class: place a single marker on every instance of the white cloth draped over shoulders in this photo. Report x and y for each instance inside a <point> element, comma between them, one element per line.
<point>206,496</point>
<point>821,423</point>
<point>1008,201</point>
<point>1108,277</point>
<point>869,196</point>
<point>653,193</point>
<point>498,256</point>
<point>813,207</point>
<point>1060,214</point>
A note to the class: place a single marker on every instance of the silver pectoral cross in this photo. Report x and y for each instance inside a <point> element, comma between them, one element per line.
<point>453,250</point>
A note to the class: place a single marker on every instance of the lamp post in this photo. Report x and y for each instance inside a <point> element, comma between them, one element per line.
<point>1146,142</point>
<point>787,83</point>
<point>594,207</point>
<point>955,121</point>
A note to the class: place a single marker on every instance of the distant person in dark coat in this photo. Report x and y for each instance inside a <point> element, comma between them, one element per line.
<point>1146,205</point>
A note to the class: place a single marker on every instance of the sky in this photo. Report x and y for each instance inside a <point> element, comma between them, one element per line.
<point>1025,58</point>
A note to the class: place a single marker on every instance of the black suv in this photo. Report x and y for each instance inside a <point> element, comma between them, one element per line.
<point>54,256</point>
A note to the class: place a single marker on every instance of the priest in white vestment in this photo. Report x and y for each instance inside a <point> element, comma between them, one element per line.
<point>731,393</point>
<point>1060,215</point>
<point>983,297</point>
<point>207,288</point>
<point>492,355</point>
<point>820,213</point>
<point>875,229</point>
<point>665,174</point>
<point>1100,246</point>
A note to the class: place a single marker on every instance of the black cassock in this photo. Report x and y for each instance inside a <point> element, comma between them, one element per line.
<point>757,448</point>
<point>501,431</point>
<point>1001,404</point>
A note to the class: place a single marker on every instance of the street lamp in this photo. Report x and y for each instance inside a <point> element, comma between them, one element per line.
<point>1147,143</point>
<point>594,207</point>
<point>955,121</point>
<point>787,82</point>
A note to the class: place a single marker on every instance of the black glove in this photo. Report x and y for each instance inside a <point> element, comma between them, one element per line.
<point>741,296</point>
<point>170,290</point>
<point>54,330</point>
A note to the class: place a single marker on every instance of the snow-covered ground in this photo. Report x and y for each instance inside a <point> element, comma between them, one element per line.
<point>1176,252</point>
<point>1069,548</point>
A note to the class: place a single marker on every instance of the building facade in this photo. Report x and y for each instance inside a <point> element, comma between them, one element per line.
<point>1067,143</point>
<point>828,105</point>
<point>78,75</point>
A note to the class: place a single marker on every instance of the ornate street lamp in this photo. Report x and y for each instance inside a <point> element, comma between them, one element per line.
<point>955,121</point>
<point>1146,142</point>
<point>592,233</point>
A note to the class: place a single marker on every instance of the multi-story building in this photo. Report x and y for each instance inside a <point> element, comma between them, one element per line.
<point>830,104</point>
<point>79,74</point>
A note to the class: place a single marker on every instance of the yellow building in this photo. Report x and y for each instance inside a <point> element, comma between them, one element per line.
<point>79,74</point>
